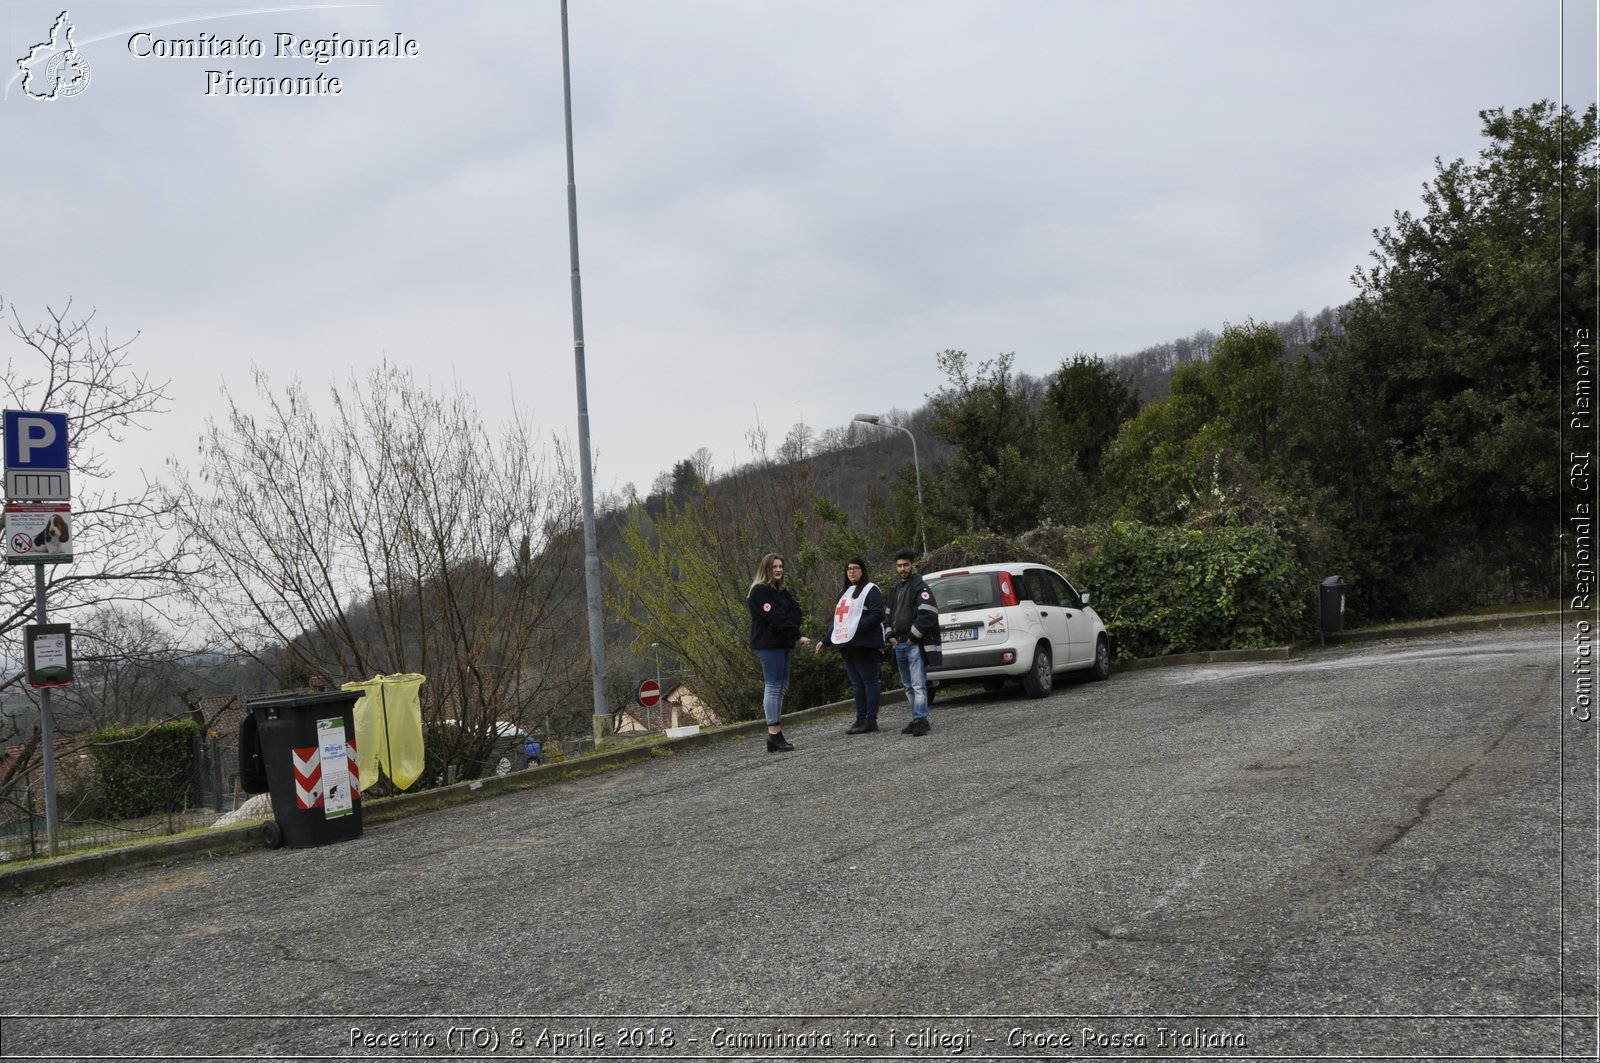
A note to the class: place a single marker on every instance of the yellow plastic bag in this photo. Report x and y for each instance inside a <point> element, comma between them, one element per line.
<point>389,728</point>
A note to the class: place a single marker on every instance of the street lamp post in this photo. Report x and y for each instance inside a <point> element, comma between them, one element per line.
<point>873,418</point>
<point>601,718</point>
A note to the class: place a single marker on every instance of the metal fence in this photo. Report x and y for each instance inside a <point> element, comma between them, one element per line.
<point>211,793</point>
<point>206,797</point>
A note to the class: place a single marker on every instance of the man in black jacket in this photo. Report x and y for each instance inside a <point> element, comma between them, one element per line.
<point>912,628</point>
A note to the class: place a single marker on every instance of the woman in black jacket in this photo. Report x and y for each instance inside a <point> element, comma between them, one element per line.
<point>774,629</point>
<point>856,631</point>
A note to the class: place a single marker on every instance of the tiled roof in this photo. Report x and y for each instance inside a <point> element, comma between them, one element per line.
<point>221,715</point>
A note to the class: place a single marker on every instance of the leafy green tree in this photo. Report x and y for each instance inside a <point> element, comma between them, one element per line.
<point>1436,427</point>
<point>686,478</point>
<point>991,416</point>
<point>893,515</point>
<point>1151,463</point>
<point>1085,404</point>
<point>1248,381</point>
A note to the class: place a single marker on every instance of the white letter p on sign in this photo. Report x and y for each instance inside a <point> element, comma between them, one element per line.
<point>33,433</point>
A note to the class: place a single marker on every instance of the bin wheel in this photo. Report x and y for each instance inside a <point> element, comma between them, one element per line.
<point>272,834</point>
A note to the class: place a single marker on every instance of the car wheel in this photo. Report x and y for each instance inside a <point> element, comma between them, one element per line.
<point>1102,659</point>
<point>1040,677</point>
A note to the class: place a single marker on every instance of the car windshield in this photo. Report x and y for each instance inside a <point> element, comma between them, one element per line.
<point>968,590</point>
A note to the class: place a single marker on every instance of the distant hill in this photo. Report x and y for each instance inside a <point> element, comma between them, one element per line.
<point>1150,370</point>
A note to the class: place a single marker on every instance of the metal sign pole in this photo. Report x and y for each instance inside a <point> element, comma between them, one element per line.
<point>47,727</point>
<point>38,462</point>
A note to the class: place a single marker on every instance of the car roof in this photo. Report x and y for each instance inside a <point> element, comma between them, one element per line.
<point>1003,566</point>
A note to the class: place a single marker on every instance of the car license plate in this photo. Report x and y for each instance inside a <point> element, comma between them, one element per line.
<point>959,634</point>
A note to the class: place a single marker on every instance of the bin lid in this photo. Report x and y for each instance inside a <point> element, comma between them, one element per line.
<point>1333,581</point>
<point>329,698</point>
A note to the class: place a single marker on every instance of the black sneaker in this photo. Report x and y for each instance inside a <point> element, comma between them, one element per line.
<point>910,728</point>
<point>918,728</point>
<point>869,727</point>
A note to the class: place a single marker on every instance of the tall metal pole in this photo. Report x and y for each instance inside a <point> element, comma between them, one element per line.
<point>660,690</point>
<point>591,553</point>
<point>47,727</point>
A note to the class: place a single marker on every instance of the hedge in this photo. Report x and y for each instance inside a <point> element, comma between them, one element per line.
<point>1167,590</point>
<point>142,771</point>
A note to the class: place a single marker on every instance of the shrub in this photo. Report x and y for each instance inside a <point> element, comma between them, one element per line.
<point>1179,590</point>
<point>141,771</point>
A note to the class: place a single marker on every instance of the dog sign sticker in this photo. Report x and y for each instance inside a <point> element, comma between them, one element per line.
<point>38,533</point>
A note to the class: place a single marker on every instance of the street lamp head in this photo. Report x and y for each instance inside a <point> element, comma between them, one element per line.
<point>869,418</point>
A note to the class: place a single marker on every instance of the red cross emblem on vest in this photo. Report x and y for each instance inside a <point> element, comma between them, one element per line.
<point>842,611</point>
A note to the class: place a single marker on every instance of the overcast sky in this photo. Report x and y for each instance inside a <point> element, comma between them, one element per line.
<point>786,207</point>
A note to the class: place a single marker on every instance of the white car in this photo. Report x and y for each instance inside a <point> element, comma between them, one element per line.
<point>1015,621</point>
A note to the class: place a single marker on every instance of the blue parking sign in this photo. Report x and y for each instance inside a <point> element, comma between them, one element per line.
<point>35,439</point>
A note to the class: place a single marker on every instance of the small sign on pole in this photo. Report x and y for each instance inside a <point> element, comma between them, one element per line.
<point>48,484</point>
<point>47,653</point>
<point>649,693</point>
<point>38,533</point>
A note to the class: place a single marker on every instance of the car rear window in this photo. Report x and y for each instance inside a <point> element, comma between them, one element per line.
<point>970,590</point>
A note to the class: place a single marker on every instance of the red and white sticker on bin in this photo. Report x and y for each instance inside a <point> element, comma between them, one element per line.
<point>325,775</point>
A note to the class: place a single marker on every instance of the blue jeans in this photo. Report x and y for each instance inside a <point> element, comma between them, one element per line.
<point>914,674</point>
<point>775,676</point>
<point>862,668</point>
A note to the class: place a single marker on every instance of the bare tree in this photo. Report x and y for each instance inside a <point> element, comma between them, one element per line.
<point>123,556</point>
<point>703,467</point>
<point>128,668</point>
<point>394,534</point>
<point>121,550</point>
<point>797,445</point>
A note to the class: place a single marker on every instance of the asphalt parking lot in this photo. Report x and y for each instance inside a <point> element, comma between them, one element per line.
<point>1378,850</point>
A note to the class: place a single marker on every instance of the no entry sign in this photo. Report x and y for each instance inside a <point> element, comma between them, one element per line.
<point>649,693</point>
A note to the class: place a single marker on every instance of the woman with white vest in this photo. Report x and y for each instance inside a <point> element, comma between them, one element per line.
<point>856,631</point>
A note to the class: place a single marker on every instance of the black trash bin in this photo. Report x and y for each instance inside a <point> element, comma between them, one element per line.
<point>1332,590</point>
<point>307,746</point>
